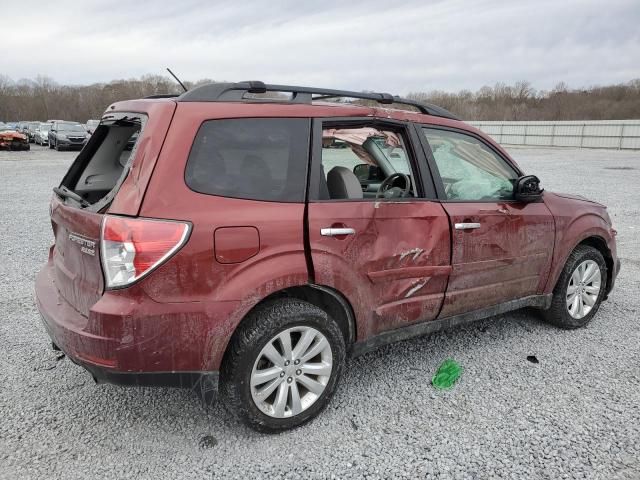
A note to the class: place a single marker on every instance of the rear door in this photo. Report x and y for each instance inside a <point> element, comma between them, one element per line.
<point>389,256</point>
<point>501,248</point>
<point>102,168</point>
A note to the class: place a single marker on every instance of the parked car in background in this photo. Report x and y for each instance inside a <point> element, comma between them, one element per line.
<point>31,131</point>
<point>11,139</point>
<point>22,127</point>
<point>65,135</point>
<point>41,136</point>
<point>231,248</point>
<point>91,126</point>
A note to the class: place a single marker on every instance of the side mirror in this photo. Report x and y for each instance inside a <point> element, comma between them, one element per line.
<point>527,189</point>
<point>366,172</point>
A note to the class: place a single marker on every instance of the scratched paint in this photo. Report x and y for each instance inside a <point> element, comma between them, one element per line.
<point>366,266</point>
<point>414,253</point>
<point>503,259</point>
<point>416,287</point>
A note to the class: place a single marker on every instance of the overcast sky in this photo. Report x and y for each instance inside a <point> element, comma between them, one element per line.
<point>394,46</point>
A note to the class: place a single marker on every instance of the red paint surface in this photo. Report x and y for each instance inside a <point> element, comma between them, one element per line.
<point>236,244</point>
<point>394,271</point>
<point>508,257</point>
<point>366,266</point>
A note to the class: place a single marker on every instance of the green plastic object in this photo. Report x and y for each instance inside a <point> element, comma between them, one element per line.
<point>447,374</point>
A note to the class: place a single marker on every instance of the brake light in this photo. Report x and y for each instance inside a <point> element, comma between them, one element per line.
<point>132,247</point>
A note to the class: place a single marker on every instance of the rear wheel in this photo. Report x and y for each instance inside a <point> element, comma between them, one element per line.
<point>282,365</point>
<point>580,289</point>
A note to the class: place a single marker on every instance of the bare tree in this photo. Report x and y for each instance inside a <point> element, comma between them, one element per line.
<point>42,98</point>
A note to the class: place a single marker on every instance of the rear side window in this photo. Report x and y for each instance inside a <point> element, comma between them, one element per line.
<point>252,158</point>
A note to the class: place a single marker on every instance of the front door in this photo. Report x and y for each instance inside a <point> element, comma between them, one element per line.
<point>373,234</point>
<point>501,248</point>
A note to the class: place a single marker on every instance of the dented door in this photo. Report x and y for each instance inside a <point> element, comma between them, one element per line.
<point>501,247</point>
<point>505,255</point>
<point>393,268</point>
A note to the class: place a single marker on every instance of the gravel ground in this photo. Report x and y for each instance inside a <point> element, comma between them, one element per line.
<point>575,414</point>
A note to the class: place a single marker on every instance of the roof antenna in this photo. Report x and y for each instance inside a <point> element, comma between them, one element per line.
<point>177,79</point>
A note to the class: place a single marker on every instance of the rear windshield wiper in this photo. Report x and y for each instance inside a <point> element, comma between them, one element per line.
<point>64,192</point>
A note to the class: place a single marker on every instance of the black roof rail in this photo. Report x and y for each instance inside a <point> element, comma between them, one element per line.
<point>235,92</point>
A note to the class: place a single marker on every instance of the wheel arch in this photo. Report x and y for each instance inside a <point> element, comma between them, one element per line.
<point>326,298</point>
<point>600,244</point>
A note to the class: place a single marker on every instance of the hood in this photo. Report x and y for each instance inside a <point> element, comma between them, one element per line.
<point>72,133</point>
<point>579,198</point>
<point>12,134</point>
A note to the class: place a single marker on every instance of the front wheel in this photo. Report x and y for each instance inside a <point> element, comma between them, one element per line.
<point>580,289</point>
<point>282,365</point>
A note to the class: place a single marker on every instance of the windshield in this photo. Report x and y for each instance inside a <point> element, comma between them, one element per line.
<point>92,123</point>
<point>70,127</point>
<point>394,154</point>
<point>45,126</point>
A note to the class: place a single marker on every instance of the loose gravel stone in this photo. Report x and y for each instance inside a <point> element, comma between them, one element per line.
<point>575,414</point>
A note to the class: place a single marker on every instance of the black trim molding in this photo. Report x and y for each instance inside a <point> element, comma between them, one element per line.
<point>424,328</point>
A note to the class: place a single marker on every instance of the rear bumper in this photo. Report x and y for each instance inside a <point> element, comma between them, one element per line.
<point>203,383</point>
<point>136,341</point>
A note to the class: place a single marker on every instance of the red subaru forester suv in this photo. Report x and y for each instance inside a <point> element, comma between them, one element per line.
<point>245,238</point>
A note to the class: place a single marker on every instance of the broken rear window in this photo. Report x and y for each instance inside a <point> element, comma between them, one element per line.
<point>98,171</point>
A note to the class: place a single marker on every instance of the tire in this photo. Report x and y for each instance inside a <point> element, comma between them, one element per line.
<point>559,313</point>
<point>293,319</point>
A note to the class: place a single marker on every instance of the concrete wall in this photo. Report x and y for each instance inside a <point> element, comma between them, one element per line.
<point>618,134</point>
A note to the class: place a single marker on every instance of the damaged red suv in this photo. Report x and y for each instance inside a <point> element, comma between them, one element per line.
<point>239,242</point>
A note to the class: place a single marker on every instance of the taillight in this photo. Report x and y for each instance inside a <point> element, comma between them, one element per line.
<point>132,247</point>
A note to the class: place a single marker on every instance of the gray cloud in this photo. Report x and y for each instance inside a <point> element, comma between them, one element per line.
<point>376,45</point>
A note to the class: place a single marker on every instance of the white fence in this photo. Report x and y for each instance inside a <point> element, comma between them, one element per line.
<point>618,134</point>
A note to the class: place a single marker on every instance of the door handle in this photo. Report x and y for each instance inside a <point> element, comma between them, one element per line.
<point>336,232</point>
<point>467,226</point>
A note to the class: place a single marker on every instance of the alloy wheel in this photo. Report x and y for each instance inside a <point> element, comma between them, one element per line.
<point>291,372</point>
<point>583,289</point>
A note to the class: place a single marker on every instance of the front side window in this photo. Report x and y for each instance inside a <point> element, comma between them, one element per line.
<point>252,158</point>
<point>469,169</point>
<point>365,162</point>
